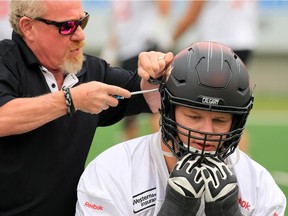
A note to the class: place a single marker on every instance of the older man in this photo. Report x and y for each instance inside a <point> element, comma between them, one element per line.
<point>52,98</point>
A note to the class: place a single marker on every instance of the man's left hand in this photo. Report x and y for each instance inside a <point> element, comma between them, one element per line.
<point>152,65</point>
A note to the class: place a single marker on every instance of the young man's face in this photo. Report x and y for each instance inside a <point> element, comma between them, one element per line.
<point>203,121</point>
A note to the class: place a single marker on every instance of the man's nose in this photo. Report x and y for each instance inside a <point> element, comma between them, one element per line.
<point>78,35</point>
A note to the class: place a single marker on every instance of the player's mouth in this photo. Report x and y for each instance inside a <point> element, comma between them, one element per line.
<point>200,146</point>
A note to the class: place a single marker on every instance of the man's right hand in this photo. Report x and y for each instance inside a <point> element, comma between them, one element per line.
<point>93,97</point>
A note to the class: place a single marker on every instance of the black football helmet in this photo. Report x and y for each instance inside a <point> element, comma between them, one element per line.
<point>206,76</point>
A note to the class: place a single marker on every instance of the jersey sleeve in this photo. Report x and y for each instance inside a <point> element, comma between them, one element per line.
<point>259,194</point>
<point>88,204</point>
<point>9,81</point>
<point>272,200</point>
<point>103,188</point>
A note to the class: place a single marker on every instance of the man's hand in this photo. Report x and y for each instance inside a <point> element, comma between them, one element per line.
<point>94,97</point>
<point>184,189</point>
<point>152,65</point>
<point>221,190</point>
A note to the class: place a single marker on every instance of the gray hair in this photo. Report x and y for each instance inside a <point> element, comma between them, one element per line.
<point>29,8</point>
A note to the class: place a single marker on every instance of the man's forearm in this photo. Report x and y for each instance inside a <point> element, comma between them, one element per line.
<point>25,114</point>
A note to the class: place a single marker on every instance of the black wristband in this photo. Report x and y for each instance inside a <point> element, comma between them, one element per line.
<point>69,101</point>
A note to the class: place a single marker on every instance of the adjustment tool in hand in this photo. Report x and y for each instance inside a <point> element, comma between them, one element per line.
<point>137,92</point>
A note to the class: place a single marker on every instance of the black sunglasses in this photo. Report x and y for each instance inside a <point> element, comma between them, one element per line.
<point>66,27</point>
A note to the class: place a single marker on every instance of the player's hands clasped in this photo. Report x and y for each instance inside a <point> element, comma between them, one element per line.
<point>212,179</point>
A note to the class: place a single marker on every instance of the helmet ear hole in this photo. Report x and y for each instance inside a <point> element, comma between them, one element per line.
<point>235,56</point>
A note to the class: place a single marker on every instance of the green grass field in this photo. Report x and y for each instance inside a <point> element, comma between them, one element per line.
<point>267,129</point>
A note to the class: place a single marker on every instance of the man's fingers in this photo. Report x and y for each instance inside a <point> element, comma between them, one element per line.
<point>145,65</point>
<point>168,57</point>
<point>152,64</point>
<point>118,91</point>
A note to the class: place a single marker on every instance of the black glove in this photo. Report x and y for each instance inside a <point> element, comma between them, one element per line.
<point>184,189</point>
<point>221,190</point>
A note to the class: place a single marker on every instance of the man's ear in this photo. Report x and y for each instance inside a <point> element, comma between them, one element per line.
<point>26,26</point>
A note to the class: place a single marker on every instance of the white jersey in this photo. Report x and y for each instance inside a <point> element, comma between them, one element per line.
<point>233,23</point>
<point>130,179</point>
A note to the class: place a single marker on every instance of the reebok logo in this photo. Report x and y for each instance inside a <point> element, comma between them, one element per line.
<point>244,204</point>
<point>94,206</point>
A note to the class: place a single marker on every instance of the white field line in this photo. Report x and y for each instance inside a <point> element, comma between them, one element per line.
<point>281,178</point>
<point>268,118</point>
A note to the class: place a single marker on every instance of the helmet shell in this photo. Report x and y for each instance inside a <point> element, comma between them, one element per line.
<point>212,76</point>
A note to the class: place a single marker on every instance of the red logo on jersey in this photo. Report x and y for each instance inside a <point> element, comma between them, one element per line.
<point>275,214</point>
<point>94,206</point>
<point>244,204</point>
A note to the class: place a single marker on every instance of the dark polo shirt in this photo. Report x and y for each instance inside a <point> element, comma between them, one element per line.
<point>39,170</point>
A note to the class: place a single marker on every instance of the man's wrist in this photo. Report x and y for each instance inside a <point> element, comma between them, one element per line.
<point>69,102</point>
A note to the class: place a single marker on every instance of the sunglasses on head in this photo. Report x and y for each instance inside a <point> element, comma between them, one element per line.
<point>66,27</point>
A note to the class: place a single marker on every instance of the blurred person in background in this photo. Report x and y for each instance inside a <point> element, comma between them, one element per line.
<point>137,26</point>
<point>53,97</point>
<point>233,23</point>
<point>5,28</point>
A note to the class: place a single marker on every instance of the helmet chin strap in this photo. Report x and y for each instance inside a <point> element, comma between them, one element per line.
<point>168,154</point>
<point>192,149</point>
<point>229,163</point>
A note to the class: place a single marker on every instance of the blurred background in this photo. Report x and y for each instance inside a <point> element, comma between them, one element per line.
<point>267,137</point>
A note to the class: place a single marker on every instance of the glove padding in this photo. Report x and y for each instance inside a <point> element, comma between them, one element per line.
<point>221,190</point>
<point>185,188</point>
<point>186,177</point>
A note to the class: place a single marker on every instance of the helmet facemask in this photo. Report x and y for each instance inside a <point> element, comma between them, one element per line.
<point>225,143</point>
